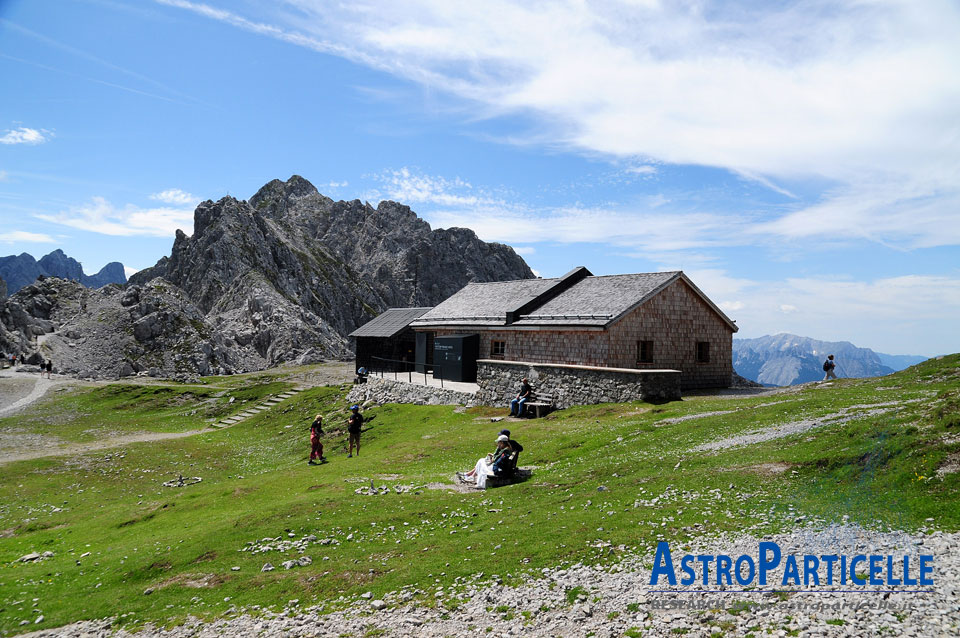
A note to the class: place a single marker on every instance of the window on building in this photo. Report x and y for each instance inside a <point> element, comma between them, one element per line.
<point>644,352</point>
<point>498,349</point>
<point>703,352</point>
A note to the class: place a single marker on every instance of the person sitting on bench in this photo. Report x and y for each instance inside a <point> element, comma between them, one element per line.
<point>495,464</point>
<point>516,406</point>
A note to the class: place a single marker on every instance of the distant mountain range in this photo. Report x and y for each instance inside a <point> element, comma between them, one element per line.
<point>22,270</point>
<point>786,359</point>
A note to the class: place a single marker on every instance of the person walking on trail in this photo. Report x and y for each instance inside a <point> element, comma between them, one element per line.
<point>316,447</point>
<point>516,406</point>
<point>828,367</point>
<point>354,424</point>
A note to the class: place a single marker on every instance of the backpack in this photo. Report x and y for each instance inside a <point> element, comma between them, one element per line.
<point>827,365</point>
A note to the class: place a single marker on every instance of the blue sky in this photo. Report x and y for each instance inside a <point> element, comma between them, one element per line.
<point>799,160</point>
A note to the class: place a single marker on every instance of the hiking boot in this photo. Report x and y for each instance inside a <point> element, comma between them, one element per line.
<point>349,456</point>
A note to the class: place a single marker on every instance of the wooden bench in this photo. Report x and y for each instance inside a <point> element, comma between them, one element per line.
<point>540,402</point>
<point>519,475</point>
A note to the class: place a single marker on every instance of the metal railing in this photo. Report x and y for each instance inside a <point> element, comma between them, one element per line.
<point>410,370</point>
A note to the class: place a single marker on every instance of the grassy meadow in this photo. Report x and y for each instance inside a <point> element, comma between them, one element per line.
<point>608,479</point>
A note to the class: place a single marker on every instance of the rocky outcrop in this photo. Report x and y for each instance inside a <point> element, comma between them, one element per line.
<point>22,270</point>
<point>114,332</point>
<point>281,278</point>
<point>291,272</point>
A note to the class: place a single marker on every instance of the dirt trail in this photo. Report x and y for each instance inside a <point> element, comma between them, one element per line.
<point>40,387</point>
<point>105,444</point>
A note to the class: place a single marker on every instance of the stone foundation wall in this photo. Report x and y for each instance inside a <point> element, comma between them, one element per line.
<point>390,391</point>
<point>574,385</point>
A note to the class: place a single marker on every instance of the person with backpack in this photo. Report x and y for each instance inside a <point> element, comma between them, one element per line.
<point>354,425</point>
<point>316,447</point>
<point>828,367</point>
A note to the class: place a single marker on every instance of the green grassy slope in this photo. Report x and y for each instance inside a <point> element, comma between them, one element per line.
<point>608,479</point>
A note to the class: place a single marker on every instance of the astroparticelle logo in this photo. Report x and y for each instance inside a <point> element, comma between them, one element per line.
<point>771,566</point>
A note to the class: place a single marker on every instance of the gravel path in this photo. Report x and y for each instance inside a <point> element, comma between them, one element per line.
<point>612,601</point>
<point>12,397</point>
<point>796,427</point>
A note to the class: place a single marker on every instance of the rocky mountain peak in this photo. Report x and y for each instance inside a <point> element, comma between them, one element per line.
<point>276,197</point>
<point>283,277</point>
<point>22,270</point>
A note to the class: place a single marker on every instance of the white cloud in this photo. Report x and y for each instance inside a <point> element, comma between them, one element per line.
<point>409,187</point>
<point>524,250</point>
<point>100,216</point>
<point>854,93</point>
<point>640,230</point>
<point>645,169</point>
<point>175,196</point>
<point>25,135</point>
<point>24,237</point>
<point>128,271</point>
<point>4,176</point>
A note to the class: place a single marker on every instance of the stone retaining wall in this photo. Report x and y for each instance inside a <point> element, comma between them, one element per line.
<point>390,391</point>
<point>574,385</point>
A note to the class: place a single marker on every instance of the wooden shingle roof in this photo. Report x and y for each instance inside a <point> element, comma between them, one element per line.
<point>581,300</point>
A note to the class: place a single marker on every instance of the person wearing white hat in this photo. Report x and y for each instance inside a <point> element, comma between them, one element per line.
<point>487,466</point>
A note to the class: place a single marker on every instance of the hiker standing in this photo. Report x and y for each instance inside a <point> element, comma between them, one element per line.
<point>354,424</point>
<point>316,447</point>
<point>828,367</point>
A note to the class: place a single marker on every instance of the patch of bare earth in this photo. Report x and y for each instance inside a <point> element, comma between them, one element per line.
<point>950,465</point>
<point>765,469</point>
<point>193,581</point>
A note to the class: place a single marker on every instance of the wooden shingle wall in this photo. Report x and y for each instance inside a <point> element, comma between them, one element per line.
<point>675,320</point>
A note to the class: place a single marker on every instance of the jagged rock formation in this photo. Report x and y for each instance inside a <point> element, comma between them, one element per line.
<point>3,289</point>
<point>786,359</point>
<point>112,332</point>
<point>22,270</point>
<point>292,271</point>
<point>281,278</point>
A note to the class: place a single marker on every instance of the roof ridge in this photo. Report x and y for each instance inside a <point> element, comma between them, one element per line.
<point>510,281</point>
<point>634,274</point>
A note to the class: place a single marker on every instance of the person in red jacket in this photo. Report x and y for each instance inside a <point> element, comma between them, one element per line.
<point>316,447</point>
